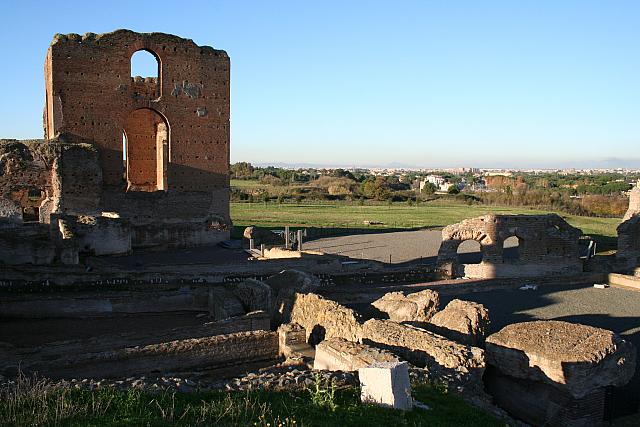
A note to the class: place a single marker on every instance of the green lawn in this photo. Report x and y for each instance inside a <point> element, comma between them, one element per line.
<point>247,183</point>
<point>43,406</point>
<point>399,215</point>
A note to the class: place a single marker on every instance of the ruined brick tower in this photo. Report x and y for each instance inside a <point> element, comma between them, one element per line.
<point>127,161</point>
<point>172,130</point>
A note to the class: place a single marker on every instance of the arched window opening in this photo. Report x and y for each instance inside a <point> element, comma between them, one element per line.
<point>124,147</point>
<point>470,252</point>
<point>145,147</point>
<point>511,248</point>
<point>144,64</point>
<point>145,73</point>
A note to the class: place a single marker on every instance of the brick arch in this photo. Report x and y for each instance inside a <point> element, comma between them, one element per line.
<point>146,88</point>
<point>148,138</point>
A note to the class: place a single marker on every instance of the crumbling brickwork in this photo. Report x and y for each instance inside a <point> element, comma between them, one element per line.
<point>153,152</point>
<point>629,241</point>
<point>90,94</point>
<point>175,127</point>
<point>547,245</point>
<point>634,203</point>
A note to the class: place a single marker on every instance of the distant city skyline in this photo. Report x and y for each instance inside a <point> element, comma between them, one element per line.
<point>495,84</point>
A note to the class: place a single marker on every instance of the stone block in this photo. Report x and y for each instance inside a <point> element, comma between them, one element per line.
<point>262,236</point>
<point>339,355</point>
<point>423,348</point>
<point>463,321</point>
<point>291,338</point>
<point>386,384</point>
<point>285,285</point>
<point>415,307</point>
<point>575,358</point>
<point>323,318</point>
<point>254,295</point>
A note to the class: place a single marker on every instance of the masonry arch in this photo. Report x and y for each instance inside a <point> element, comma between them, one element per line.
<point>469,252</point>
<point>146,140</point>
<point>511,247</point>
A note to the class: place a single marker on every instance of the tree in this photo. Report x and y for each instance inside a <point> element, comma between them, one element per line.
<point>376,188</point>
<point>429,188</point>
<point>453,190</point>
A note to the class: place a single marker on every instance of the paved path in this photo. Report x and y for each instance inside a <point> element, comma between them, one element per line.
<point>402,246</point>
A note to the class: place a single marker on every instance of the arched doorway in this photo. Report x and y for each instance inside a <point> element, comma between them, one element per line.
<point>469,252</point>
<point>511,248</point>
<point>146,145</point>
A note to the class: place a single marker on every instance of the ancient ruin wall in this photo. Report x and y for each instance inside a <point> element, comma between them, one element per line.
<point>325,317</point>
<point>176,126</point>
<point>634,203</point>
<point>629,241</point>
<point>40,178</point>
<point>547,245</point>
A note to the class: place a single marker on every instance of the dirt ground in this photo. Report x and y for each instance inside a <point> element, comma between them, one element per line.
<point>399,247</point>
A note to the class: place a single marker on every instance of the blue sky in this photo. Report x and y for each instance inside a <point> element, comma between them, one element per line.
<point>421,83</point>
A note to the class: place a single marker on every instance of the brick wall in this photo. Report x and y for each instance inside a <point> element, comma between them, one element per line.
<point>176,125</point>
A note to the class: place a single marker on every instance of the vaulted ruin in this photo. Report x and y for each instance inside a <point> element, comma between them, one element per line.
<point>546,245</point>
<point>146,159</point>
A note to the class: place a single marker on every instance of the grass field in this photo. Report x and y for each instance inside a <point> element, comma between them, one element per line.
<point>42,405</point>
<point>398,215</point>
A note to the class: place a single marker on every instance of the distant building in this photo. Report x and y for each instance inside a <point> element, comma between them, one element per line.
<point>436,180</point>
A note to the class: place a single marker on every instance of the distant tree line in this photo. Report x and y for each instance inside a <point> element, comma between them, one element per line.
<point>579,194</point>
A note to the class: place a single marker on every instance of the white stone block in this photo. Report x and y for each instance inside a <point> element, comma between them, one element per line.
<point>386,384</point>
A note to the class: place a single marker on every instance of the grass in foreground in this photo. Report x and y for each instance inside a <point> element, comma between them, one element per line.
<point>39,404</point>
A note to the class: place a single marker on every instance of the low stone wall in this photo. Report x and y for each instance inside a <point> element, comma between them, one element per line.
<point>547,245</point>
<point>211,352</point>
<point>222,303</point>
<point>28,244</point>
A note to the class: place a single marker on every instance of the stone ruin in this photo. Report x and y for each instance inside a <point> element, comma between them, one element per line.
<point>556,373</point>
<point>629,233</point>
<point>143,162</point>
<point>126,162</point>
<point>547,245</point>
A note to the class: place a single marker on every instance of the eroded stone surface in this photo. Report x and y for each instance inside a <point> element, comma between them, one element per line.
<point>573,357</point>
<point>285,285</point>
<point>423,348</point>
<point>463,321</point>
<point>254,295</point>
<point>323,318</point>
<point>634,203</point>
<point>337,354</point>
<point>418,306</point>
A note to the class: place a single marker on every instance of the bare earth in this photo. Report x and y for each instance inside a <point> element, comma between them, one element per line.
<point>400,247</point>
